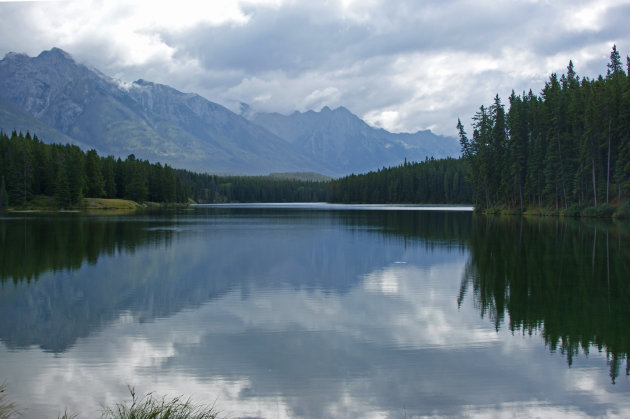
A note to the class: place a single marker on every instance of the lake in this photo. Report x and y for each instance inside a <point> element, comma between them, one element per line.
<point>317,311</point>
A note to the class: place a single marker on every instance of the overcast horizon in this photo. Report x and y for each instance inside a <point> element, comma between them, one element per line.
<point>398,65</point>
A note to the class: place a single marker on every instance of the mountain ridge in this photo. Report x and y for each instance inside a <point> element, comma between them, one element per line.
<point>333,135</point>
<point>150,120</point>
<point>157,122</point>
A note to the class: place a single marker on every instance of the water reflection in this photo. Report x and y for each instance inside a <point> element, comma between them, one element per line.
<point>567,279</point>
<point>89,270</point>
<point>290,313</point>
<point>32,245</point>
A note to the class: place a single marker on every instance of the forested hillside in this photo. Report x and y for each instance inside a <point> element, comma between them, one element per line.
<point>30,168</point>
<point>432,181</point>
<point>567,149</point>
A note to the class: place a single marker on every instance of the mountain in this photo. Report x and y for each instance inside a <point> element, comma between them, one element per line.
<point>347,143</point>
<point>62,100</point>
<point>152,121</point>
<point>14,118</point>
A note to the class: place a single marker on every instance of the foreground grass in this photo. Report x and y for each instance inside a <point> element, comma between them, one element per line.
<point>150,407</point>
<point>147,407</point>
<point>7,409</point>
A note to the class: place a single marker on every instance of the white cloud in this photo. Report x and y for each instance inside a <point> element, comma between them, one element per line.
<point>320,97</point>
<point>401,322</point>
<point>534,409</point>
<point>131,30</point>
<point>387,119</point>
<point>428,63</point>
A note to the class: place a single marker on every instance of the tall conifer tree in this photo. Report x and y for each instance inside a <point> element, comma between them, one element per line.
<point>4,197</point>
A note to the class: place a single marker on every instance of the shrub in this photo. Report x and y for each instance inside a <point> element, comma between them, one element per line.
<point>574,210</point>
<point>605,210</point>
<point>623,211</point>
<point>601,211</point>
<point>589,212</point>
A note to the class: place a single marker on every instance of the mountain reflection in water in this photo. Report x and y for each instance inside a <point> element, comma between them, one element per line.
<point>314,312</point>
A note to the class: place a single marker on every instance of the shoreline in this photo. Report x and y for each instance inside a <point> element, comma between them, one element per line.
<point>89,206</point>
<point>602,211</point>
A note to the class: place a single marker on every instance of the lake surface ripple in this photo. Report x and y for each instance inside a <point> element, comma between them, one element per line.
<point>317,311</point>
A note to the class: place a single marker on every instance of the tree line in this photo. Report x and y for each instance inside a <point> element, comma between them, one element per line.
<point>442,181</point>
<point>567,148</point>
<point>30,168</point>
<point>207,188</point>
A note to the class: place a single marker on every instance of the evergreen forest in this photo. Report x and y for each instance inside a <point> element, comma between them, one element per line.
<point>30,169</point>
<point>567,149</point>
<point>443,181</point>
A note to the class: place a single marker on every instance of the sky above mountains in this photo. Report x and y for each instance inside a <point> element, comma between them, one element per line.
<point>402,65</point>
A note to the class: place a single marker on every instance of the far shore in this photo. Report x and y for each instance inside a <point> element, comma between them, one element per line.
<point>88,205</point>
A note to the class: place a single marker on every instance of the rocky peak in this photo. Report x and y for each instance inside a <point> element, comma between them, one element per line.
<point>56,53</point>
<point>143,83</point>
<point>15,56</point>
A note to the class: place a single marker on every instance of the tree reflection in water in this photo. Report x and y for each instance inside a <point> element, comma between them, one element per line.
<point>566,279</point>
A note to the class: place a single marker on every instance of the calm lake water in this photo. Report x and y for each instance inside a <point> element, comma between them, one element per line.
<point>317,311</point>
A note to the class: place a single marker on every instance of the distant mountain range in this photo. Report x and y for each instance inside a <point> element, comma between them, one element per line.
<point>63,101</point>
<point>343,140</point>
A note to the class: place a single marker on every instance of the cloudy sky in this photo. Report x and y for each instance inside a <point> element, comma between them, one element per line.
<point>401,65</point>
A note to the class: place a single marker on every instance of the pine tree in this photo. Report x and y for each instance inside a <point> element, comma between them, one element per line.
<point>499,165</point>
<point>108,166</point>
<point>481,149</point>
<point>62,185</point>
<point>136,182</point>
<point>622,167</point>
<point>614,66</point>
<point>517,147</point>
<point>95,184</point>
<point>4,197</point>
<point>555,115</point>
<point>75,166</point>
<point>463,140</point>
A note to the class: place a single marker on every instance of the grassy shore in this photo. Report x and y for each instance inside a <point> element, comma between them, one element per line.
<point>601,211</point>
<point>147,407</point>
<point>97,206</point>
<point>88,205</point>
<point>110,204</point>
